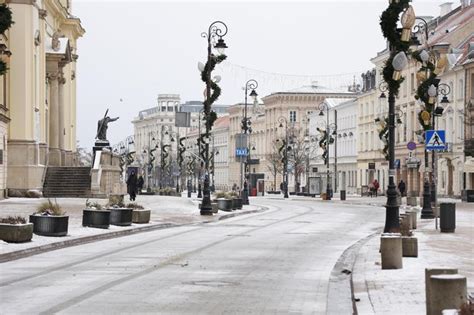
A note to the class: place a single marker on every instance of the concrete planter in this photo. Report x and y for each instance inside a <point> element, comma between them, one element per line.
<point>237,202</point>
<point>16,233</point>
<point>141,216</point>
<point>224,204</point>
<point>121,216</point>
<point>96,218</point>
<point>50,225</point>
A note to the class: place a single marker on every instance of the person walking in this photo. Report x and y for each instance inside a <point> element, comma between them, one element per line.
<point>140,183</point>
<point>376,186</point>
<point>132,185</point>
<point>401,188</point>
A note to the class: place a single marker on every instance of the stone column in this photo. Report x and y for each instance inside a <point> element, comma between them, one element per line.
<point>54,152</point>
<point>61,128</point>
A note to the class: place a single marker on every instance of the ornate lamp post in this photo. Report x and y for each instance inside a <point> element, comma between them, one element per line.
<point>246,129</point>
<point>200,153</point>
<point>399,43</point>
<point>432,63</point>
<point>217,30</point>
<point>285,149</point>
<point>331,130</point>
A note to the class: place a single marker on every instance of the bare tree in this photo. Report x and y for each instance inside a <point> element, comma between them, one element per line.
<point>83,156</point>
<point>275,165</point>
<point>297,157</point>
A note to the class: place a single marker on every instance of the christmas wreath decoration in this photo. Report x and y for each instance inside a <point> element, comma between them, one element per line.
<point>211,116</point>
<point>5,18</point>
<point>428,79</point>
<point>3,67</point>
<point>388,24</point>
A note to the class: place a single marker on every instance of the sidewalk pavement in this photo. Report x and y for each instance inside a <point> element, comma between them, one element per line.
<point>166,211</point>
<point>402,291</point>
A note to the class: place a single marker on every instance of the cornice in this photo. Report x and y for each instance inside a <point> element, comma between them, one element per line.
<point>29,2</point>
<point>4,118</point>
<point>74,24</point>
<point>56,9</point>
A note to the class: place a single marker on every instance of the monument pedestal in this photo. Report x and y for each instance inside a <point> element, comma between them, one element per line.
<point>99,146</point>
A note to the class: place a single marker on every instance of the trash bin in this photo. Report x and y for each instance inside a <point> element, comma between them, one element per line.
<point>343,194</point>
<point>447,217</point>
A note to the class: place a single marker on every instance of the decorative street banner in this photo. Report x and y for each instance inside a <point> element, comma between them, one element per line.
<point>435,140</point>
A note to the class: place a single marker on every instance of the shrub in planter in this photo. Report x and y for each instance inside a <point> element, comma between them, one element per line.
<point>49,220</point>
<point>95,216</point>
<point>139,214</point>
<point>15,230</point>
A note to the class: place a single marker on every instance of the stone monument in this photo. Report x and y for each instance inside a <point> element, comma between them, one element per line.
<point>101,136</point>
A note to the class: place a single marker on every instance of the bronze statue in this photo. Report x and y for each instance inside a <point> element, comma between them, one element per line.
<point>102,126</point>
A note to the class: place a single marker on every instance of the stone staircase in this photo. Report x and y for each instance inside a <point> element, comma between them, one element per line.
<point>67,182</point>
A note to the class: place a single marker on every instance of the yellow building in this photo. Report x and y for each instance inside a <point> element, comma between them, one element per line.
<point>40,94</point>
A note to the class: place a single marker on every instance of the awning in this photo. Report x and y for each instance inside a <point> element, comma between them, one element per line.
<point>469,165</point>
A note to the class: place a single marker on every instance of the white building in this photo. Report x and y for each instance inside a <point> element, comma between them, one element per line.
<point>343,152</point>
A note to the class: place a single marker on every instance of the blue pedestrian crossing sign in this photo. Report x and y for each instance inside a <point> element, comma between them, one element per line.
<point>435,140</point>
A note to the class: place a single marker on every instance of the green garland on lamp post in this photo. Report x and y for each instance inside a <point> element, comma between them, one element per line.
<point>399,44</point>
<point>217,30</point>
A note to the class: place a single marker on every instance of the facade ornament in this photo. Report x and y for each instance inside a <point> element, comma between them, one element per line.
<point>37,38</point>
<point>62,79</point>
<point>73,75</point>
<point>42,13</point>
<point>75,57</point>
<point>55,43</point>
<point>51,76</point>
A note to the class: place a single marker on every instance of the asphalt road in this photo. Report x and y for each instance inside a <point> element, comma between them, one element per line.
<point>277,261</point>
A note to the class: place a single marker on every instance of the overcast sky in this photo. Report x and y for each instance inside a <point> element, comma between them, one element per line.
<point>134,50</point>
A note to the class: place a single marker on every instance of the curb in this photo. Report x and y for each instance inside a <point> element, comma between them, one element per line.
<point>99,237</point>
<point>340,298</point>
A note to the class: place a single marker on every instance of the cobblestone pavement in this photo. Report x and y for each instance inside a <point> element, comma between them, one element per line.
<point>402,291</point>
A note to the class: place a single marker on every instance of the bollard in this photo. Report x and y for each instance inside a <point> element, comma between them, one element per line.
<point>405,224</point>
<point>447,219</point>
<point>342,195</point>
<point>412,215</point>
<point>391,249</point>
<point>428,273</point>
<point>412,201</point>
<point>409,246</point>
<point>447,292</point>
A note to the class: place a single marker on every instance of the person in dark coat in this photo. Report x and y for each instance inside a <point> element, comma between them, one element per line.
<point>132,182</point>
<point>140,184</point>
<point>402,187</point>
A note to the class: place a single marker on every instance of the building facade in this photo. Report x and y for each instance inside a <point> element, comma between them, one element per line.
<point>342,153</point>
<point>156,127</point>
<point>282,115</point>
<point>40,94</point>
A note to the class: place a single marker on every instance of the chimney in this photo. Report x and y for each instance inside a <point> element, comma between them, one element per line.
<point>445,8</point>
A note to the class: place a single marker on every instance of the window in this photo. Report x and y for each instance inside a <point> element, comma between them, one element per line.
<point>412,82</point>
<point>405,124</point>
<point>292,116</point>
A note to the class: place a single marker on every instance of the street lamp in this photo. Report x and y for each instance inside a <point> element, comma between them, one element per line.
<point>441,89</point>
<point>331,130</point>
<point>201,155</point>
<point>246,129</point>
<point>285,149</point>
<point>427,92</point>
<point>217,30</point>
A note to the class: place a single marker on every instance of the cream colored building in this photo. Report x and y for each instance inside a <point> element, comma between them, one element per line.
<point>4,115</point>
<point>294,106</point>
<point>455,28</point>
<point>343,150</point>
<point>156,125</point>
<point>41,90</point>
